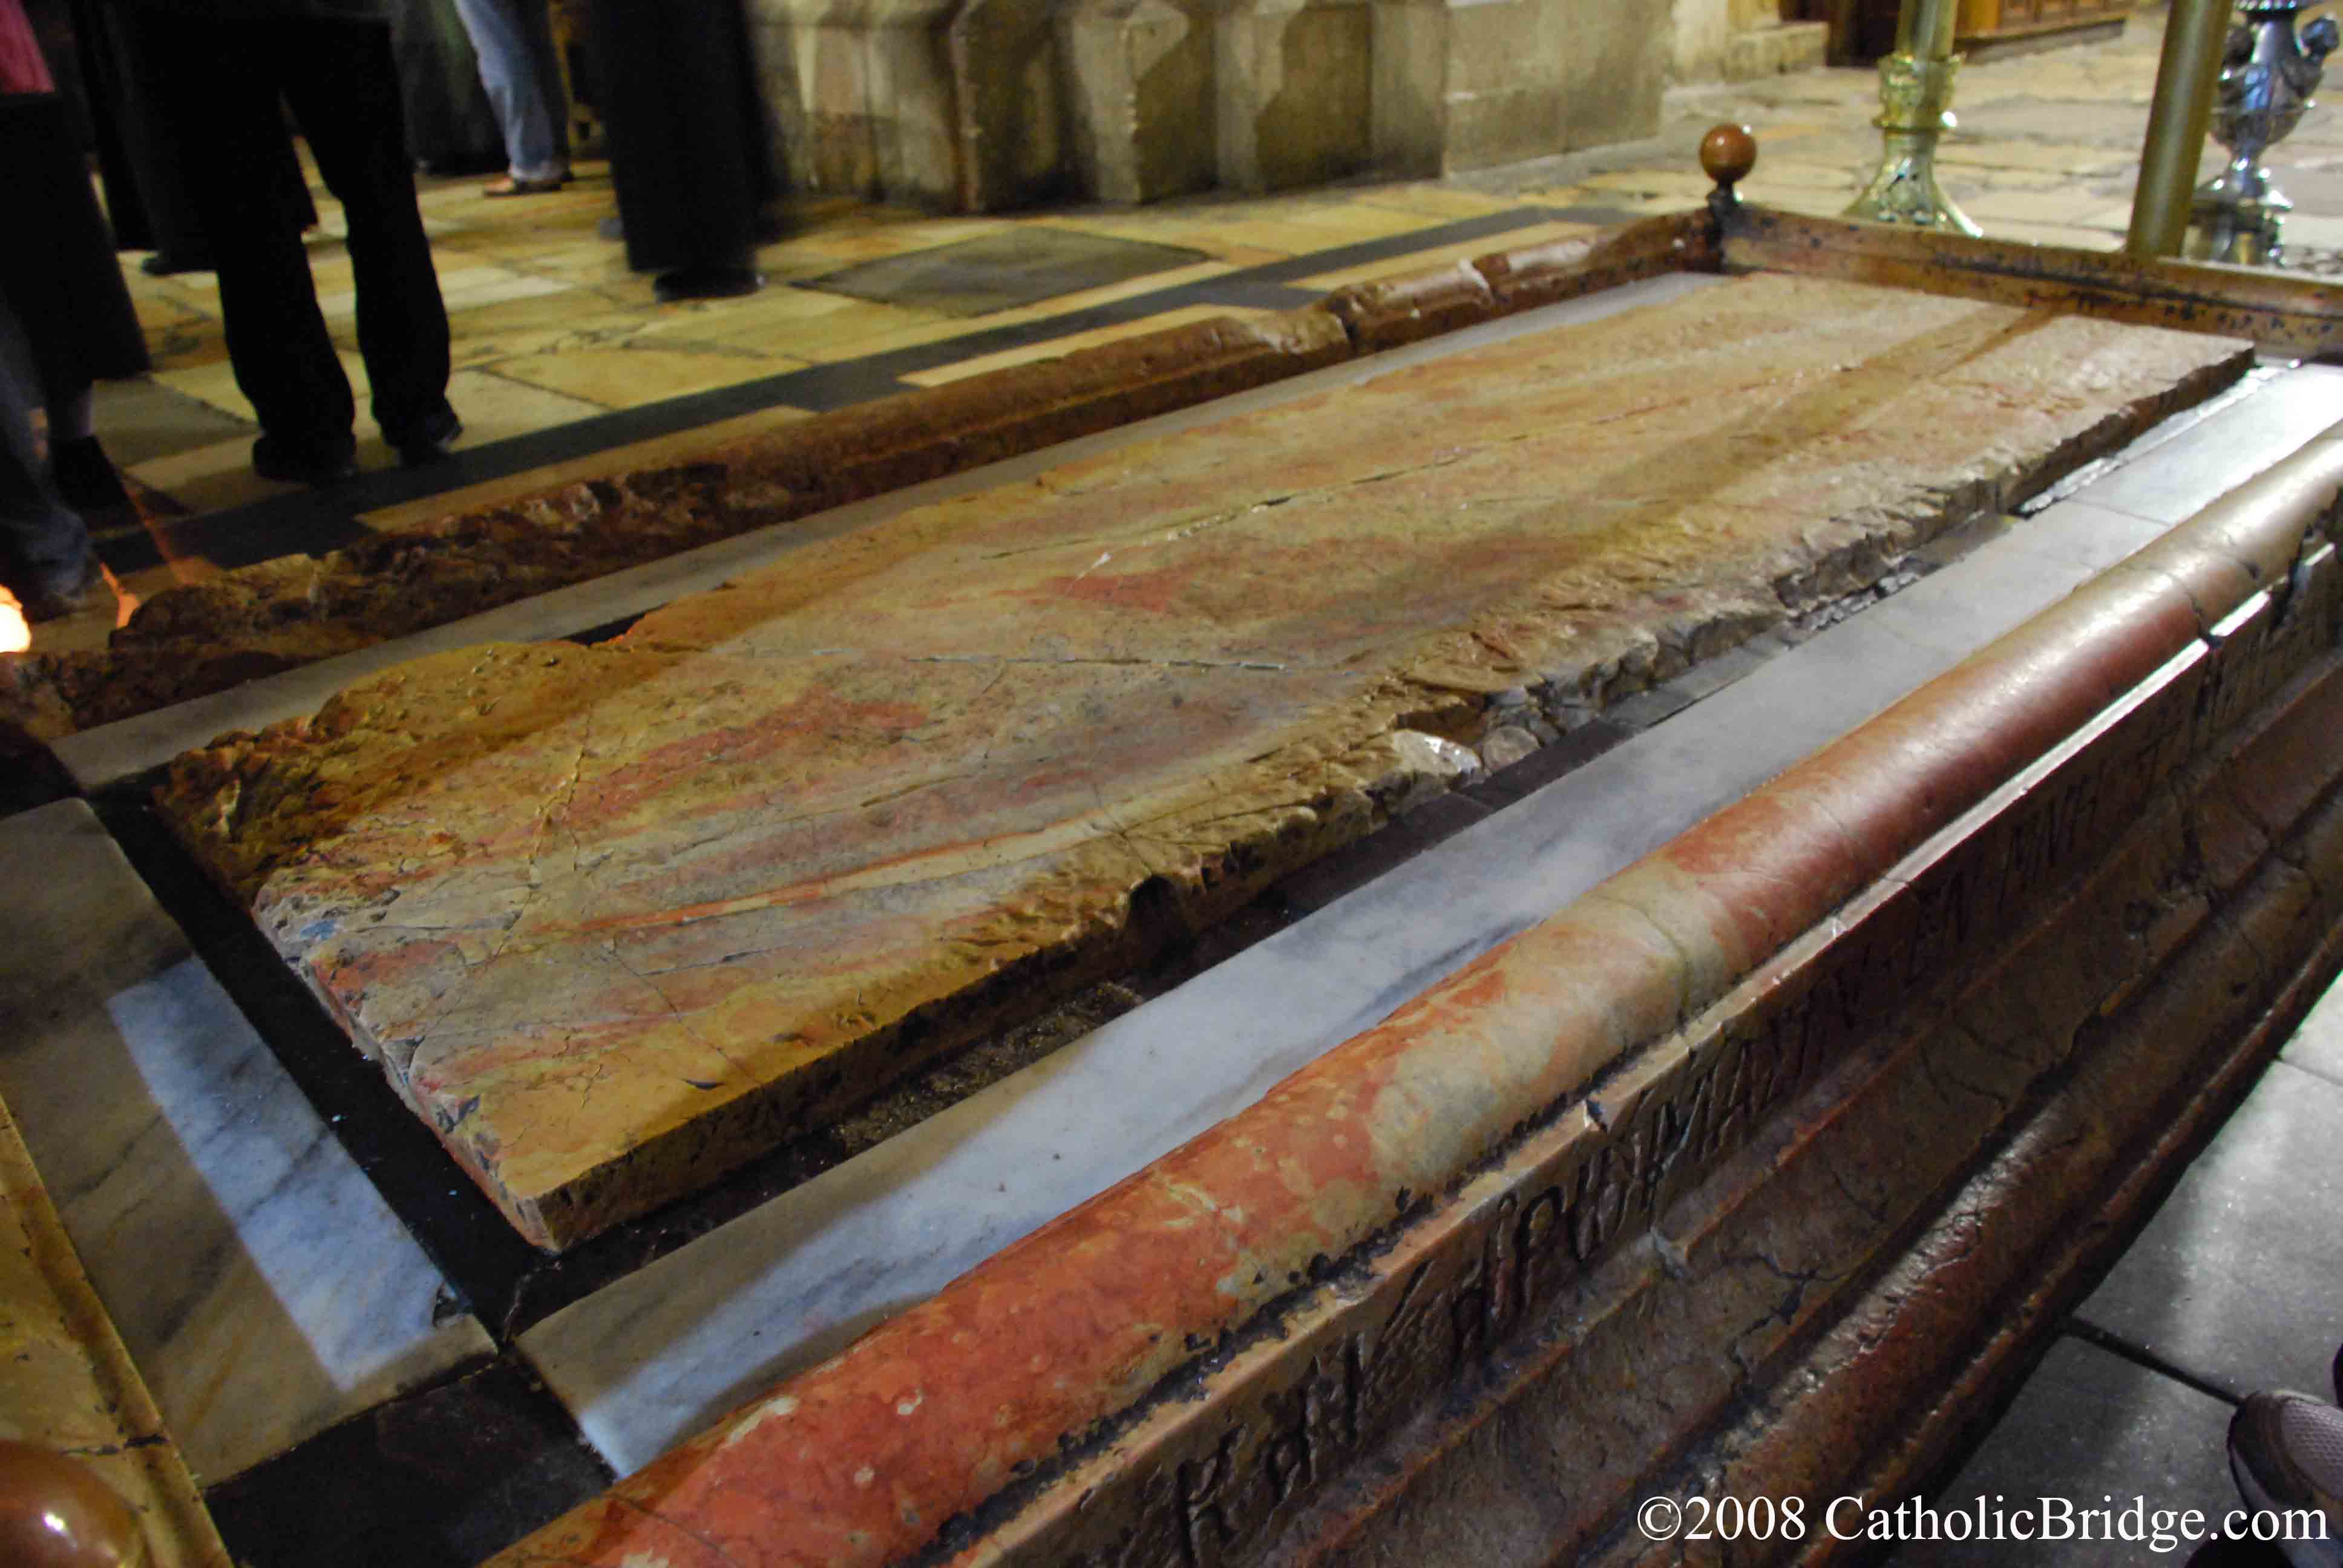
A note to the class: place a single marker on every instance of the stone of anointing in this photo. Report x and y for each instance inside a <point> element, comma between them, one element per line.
<point>616,919</point>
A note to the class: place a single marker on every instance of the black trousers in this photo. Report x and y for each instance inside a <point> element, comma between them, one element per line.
<point>43,544</point>
<point>339,78</point>
<point>57,267</point>
<point>687,146</point>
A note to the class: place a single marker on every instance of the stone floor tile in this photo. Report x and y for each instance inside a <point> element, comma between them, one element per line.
<point>2094,1430</point>
<point>261,1284</point>
<point>496,407</point>
<point>2234,1280</point>
<point>628,376</point>
<point>145,419</point>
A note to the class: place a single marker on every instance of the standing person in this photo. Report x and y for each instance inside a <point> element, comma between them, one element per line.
<point>73,322</point>
<point>236,62</point>
<point>687,146</point>
<point>139,162</point>
<point>47,562</point>
<point>513,41</point>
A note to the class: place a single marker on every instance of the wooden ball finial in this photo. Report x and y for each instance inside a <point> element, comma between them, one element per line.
<point>54,1512</point>
<point>1727,153</point>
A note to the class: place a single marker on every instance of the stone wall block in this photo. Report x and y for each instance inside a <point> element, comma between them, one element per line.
<point>1409,126</point>
<point>1296,89</point>
<point>1011,97</point>
<point>917,117</point>
<point>1140,98</point>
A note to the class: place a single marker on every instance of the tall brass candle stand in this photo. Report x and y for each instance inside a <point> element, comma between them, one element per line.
<point>1916,97</point>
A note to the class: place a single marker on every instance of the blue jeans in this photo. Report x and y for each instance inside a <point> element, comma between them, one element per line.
<point>523,83</point>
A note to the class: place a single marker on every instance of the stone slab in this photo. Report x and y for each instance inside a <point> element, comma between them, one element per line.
<point>616,919</point>
<point>2089,1426</point>
<point>263,1286</point>
<point>649,1359</point>
<point>1003,271</point>
<point>2233,1281</point>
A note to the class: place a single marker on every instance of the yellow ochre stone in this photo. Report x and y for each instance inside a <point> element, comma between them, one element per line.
<point>616,919</point>
<point>70,1387</point>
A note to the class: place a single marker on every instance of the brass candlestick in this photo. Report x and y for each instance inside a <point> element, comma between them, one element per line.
<point>1916,97</point>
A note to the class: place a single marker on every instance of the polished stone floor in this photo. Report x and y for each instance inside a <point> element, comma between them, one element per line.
<point>562,354</point>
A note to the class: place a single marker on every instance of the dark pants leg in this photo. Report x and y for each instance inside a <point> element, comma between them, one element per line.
<point>222,102</point>
<point>343,84</point>
<point>688,145</point>
<point>44,545</point>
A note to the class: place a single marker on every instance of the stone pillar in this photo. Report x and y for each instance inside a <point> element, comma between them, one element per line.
<point>1010,112</point>
<point>1704,31</point>
<point>1140,79</point>
<point>1296,84</point>
<point>1465,83</point>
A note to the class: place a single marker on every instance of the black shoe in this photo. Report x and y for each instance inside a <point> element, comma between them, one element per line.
<point>429,441</point>
<point>707,283</point>
<point>85,478</point>
<point>289,465</point>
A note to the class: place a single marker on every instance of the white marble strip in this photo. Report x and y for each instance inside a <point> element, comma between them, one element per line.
<point>2190,473</point>
<point>260,1282</point>
<point>112,752</point>
<point>652,1358</point>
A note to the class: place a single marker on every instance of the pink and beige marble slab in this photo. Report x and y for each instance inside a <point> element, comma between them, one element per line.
<point>616,919</point>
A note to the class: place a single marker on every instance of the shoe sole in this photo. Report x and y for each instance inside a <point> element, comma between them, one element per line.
<point>2325,1554</point>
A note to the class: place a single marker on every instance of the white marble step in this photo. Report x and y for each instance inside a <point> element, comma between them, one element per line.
<point>262,1285</point>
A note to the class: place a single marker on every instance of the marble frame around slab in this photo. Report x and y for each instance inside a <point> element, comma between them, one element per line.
<point>650,1358</point>
<point>263,1286</point>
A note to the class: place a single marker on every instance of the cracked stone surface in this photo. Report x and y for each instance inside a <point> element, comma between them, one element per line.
<point>615,918</point>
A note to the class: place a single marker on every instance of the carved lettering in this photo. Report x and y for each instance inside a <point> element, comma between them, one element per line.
<point>1479,1306</point>
<point>1204,1528</point>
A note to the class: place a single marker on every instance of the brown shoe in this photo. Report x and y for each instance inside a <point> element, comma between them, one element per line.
<point>512,185</point>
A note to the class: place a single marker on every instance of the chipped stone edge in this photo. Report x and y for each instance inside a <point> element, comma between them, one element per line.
<point>1117,1378</point>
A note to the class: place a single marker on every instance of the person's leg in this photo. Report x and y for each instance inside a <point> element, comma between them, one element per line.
<point>343,85</point>
<point>46,558</point>
<point>222,104</point>
<point>78,466</point>
<point>510,70</point>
